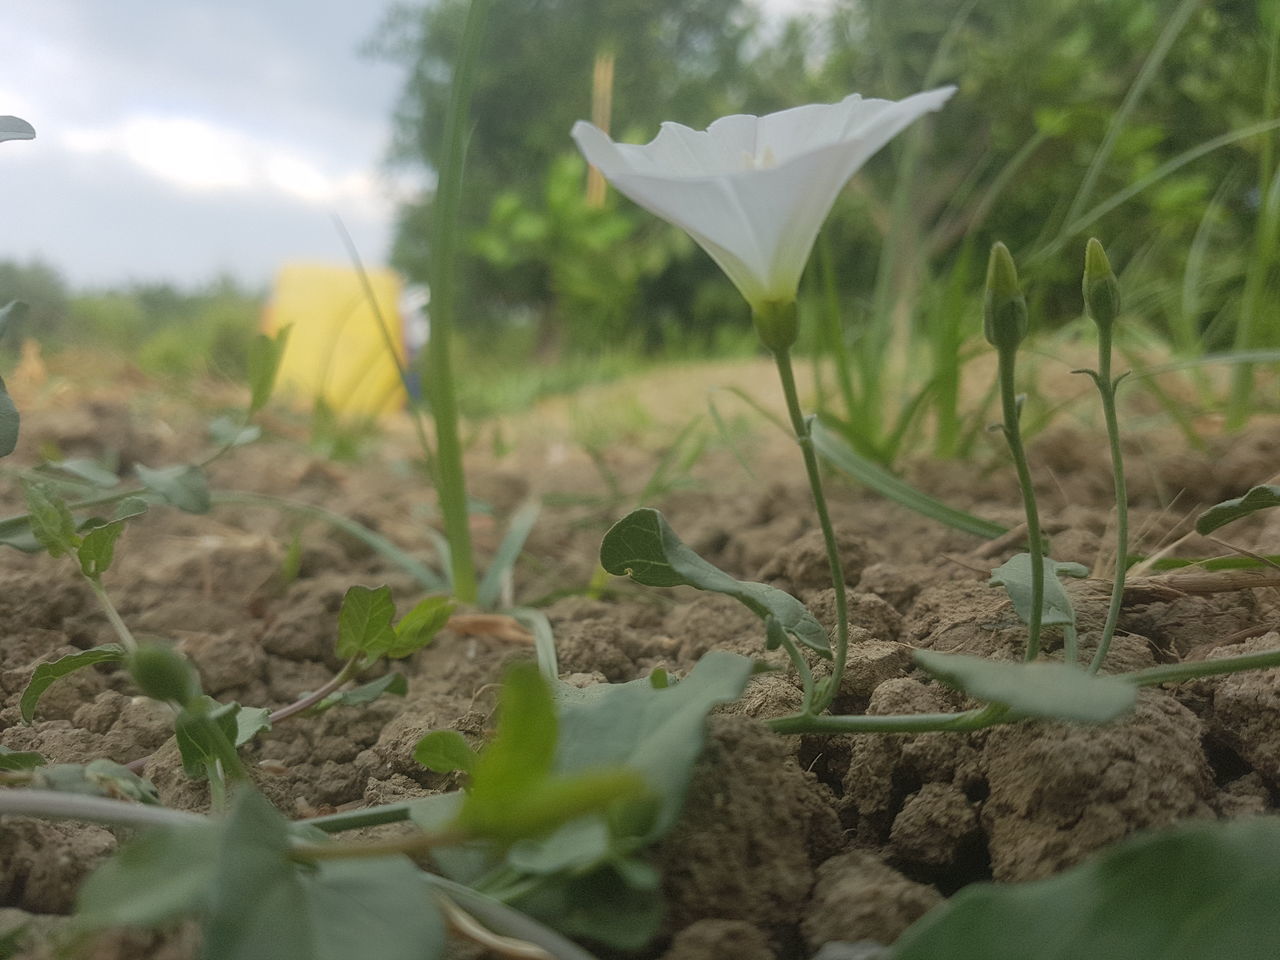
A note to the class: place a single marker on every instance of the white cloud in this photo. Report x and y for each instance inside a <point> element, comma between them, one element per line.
<point>199,156</point>
<point>185,151</point>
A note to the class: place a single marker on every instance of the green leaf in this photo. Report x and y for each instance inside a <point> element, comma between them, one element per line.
<point>445,751</point>
<point>46,673</point>
<point>1262,497</point>
<point>1015,576</point>
<point>265,353</point>
<point>1203,891</point>
<point>839,454</point>
<point>51,520</point>
<point>264,906</point>
<point>1037,689</point>
<point>162,875</point>
<point>197,740</point>
<point>97,545</point>
<point>623,759</point>
<point>657,732</point>
<point>19,759</point>
<point>98,549</point>
<point>419,626</point>
<point>644,547</point>
<point>601,905</point>
<point>518,757</point>
<point>99,778</point>
<point>364,622</point>
<point>183,486</point>
<point>549,804</point>
<point>90,471</point>
<point>251,721</point>
<point>230,432</point>
<point>10,420</point>
<point>392,683</point>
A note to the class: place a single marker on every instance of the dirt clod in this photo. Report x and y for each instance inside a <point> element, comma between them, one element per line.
<point>858,897</point>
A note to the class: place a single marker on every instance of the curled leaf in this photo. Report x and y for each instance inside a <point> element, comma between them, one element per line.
<point>642,545</point>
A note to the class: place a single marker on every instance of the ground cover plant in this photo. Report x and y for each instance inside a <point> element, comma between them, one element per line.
<point>935,732</point>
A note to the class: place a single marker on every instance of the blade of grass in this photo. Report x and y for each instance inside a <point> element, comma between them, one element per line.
<point>443,274</point>
<point>509,550</point>
<point>1173,26</point>
<point>835,451</point>
<point>1155,176</point>
<point>426,577</point>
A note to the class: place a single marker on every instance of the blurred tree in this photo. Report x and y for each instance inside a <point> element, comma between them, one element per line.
<point>42,288</point>
<point>1041,131</point>
<point>674,58</point>
<point>1039,95</point>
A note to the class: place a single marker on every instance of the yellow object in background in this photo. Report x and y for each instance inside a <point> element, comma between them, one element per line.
<point>337,350</point>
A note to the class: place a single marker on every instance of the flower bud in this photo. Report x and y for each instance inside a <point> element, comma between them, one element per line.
<point>776,323</point>
<point>1101,288</point>
<point>164,674</point>
<point>1004,307</point>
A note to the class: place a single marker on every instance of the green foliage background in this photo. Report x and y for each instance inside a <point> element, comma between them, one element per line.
<point>1039,88</point>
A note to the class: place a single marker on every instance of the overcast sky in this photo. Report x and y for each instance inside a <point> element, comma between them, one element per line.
<point>181,139</point>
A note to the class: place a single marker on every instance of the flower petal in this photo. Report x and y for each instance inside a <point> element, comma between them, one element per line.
<point>753,192</point>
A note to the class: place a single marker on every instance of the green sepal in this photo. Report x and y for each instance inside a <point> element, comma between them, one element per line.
<point>1004,308</point>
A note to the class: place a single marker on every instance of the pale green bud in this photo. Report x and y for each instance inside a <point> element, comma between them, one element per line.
<point>164,674</point>
<point>776,323</point>
<point>1101,288</point>
<point>1004,307</point>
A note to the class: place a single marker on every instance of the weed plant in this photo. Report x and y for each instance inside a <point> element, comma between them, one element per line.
<point>548,837</point>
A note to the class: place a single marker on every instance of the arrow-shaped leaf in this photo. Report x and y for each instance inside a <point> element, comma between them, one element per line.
<point>1041,688</point>
<point>644,547</point>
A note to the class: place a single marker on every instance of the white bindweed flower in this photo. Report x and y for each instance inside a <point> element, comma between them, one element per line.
<point>753,191</point>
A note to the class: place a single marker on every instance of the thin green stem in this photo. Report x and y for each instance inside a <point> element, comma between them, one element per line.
<point>356,819</point>
<point>1178,672</point>
<point>804,438</point>
<point>802,668</point>
<point>349,670</point>
<point>1107,389</point>
<point>439,353</point>
<point>58,805</point>
<point>1035,542</point>
<point>987,716</point>
<point>121,628</point>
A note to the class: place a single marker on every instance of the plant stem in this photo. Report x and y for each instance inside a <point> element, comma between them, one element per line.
<point>442,275</point>
<point>1177,672</point>
<point>987,716</point>
<point>1107,389</point>
<point>1035,543</point>
<point>414,843</point>
<point>804,438</point>
<point>57,805</point>
<point>368,817</point>
<point>113,616</point>
<point>802,668</point>
<point>349,670</point>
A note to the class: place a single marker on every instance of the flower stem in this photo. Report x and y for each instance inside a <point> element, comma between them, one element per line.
<point>1035,542</point>
<point>782,357</point>
<point>1107,389</point>
<point>1177,672</point>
